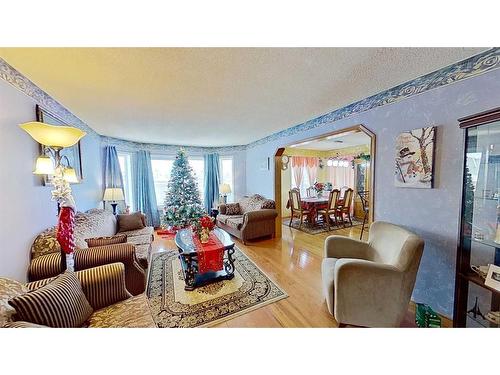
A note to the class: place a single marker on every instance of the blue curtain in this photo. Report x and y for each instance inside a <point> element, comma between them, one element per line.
<point>212,179</point>
<point>112,172</point>
<point>144,189</point>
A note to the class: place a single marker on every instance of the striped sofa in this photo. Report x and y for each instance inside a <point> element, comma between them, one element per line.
<point>106,291</point>
<point>46,253</point>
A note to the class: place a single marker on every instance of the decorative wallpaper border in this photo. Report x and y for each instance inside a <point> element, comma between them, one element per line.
<point>125,145</point>
<point>471,67</point>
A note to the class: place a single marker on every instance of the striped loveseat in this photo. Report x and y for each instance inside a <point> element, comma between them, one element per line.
<point>95,223</point>
<point>104,288</point>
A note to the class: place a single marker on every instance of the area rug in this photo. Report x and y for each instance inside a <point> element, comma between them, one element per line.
<point>174,307</point>
<point>319,227</point>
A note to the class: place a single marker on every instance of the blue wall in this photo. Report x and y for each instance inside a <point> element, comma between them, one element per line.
<point>26,204</point>
<point>432,213</point>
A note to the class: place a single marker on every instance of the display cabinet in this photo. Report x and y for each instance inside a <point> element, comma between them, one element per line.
<point>477,304</point>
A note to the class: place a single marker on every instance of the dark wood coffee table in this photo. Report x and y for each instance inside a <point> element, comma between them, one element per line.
<point>188,257</point>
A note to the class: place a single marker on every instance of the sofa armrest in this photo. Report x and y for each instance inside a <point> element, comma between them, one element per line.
<point>105,285</point>
<point>222,209</point>
<point>135,276</point>
<point>368,293</point>
<point>45,266</point>
<point>345,247</point>
<point>260,215</point>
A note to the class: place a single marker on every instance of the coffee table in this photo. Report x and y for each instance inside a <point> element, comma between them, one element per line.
<point>188,257</point>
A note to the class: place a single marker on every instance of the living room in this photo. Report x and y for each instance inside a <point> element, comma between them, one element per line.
<point>184,185</point>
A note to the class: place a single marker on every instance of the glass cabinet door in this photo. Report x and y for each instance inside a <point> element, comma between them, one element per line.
<point>480,238</point>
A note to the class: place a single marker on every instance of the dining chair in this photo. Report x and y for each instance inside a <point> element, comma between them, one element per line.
<point>365,199</point>
<point>310,191</point>
<point>332,208</point>
<point>345,209</point>
<point>296,206</point>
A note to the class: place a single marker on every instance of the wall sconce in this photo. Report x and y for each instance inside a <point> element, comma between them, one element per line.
<point>55,138</point>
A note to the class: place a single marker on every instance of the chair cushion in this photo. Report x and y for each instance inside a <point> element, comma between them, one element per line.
<point>9,289</point>
<point>235,222</point>
<point>134,312</point>
<point>327,277</point>
<point>128,222</point>
<point>104,241</point>
<point>59,304</point>
<point>233,209</point>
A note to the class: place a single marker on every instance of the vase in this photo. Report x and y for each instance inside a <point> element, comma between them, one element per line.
<point>204,235</point>
<point>320,194</point>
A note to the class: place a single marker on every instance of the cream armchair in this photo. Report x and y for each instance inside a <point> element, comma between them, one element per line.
<point>370,284</point>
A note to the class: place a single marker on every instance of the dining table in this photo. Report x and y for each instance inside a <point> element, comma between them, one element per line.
<point>313,205</point>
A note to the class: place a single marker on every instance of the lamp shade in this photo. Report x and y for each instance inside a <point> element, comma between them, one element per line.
<point>113,194</point>
<point>44,165</point>
<point>224,189</point>
<point>70,175</point>
<point>52,135</point>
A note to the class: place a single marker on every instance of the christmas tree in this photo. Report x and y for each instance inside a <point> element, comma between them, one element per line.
<point>182,199</point>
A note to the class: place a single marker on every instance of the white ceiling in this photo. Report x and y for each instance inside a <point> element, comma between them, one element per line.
<point>336,142</point>
<point>216,96</point>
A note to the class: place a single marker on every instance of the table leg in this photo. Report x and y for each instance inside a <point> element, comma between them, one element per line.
<point>189,274</point>
<point>229,264</point>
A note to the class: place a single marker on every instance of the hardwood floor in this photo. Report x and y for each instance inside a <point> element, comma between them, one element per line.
<point>294,263</point>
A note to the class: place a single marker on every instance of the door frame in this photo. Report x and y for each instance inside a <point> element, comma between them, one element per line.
<point>278,164</point>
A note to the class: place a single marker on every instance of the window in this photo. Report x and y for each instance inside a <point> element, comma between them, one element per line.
<point>126,168</point>
<point>226,174</point>
<point>161,176</point>
<point>198,165</point>
<point>304,183</point>
<point>162,167</point>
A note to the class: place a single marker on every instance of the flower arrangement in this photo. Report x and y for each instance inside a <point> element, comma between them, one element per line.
<point>202,228</point>
<point>319,187</point>
<point>328,186</point>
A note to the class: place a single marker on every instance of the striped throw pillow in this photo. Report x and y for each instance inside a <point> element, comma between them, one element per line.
<point>105,241</point>
<point>60,304</point>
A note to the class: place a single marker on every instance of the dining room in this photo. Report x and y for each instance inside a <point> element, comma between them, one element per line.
<point>326,182</point>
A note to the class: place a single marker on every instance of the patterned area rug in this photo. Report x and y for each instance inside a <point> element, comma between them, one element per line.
<point>320,227</point>
<point>174,307</point>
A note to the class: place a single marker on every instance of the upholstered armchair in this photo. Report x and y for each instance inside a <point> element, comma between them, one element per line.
<point>105,289</point>
<point>49,265</point>
<point>370,284</point>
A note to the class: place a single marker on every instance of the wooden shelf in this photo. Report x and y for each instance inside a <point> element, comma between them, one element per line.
<point>478,280</point>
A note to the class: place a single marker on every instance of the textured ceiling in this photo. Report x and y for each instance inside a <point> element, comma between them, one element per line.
<point>216,96</point>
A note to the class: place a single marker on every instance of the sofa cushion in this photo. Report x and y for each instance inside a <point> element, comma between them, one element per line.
<point>139,232</point>
<point>142,254</point>
<point>252,203</point>
<point>235,222</point>
<point>128,222</point>
<point>9,289</point>
<point>268,204</point>
<point>45,243</point>
<point>93,223</point>
<point>233,209</point>
<point>134,312</point>
<point>59,304</point>
<point>223,218</point>
<point>104,241</point>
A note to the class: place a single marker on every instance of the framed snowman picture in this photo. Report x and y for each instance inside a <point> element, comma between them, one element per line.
<point>414,161</point>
